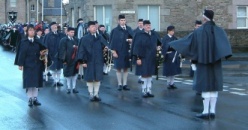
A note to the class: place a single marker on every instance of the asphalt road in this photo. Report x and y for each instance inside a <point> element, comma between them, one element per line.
<point>125,110</point>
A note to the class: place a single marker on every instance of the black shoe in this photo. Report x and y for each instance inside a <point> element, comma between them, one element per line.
<point>49,74</point>
<point>126,88</point>
<point>82,76</point>
<point>92,98</point>
<point>59,84</point>
<point>145,95</point>
<point>105,73</point>
<point>172,87</point>
<point>36,102</point>
<point>30,102</point>
<point>212,115</point>
<point>150,95</point>
<point>139,81</point>
<point>68,91</point>
<point>79,77</point>
<point>75,91</point>
<point>202,116</point>
<point>120,87</point>
<point>198,93</point>
<point>97,98</point>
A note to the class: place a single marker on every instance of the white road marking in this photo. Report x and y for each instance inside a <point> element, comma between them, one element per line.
<point>225,90</point>
<point>187,83</point>
<point>191,81</point>
<point>239,89</point>
<point>225,86</point>
<point>238,93</point>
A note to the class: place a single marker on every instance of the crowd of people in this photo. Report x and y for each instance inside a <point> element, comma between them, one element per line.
<point>88,52</point>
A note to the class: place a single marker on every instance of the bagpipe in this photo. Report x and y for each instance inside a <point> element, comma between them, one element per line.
<point>47,61</point>
<point>159,57</point>
<point>107,54</point>
<point>108,58</point>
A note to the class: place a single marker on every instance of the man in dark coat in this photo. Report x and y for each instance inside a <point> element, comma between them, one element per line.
<point>67,53</point>
<point>140,27</point>
<point>145,49</point>
<point>120,40</point>
<point>171,65</point>
<point>90,55</point>
<point>29,61</point>
<point>52,40</point>
<point>39,35</point>
<point>206,45</point>
<point>137,30</point>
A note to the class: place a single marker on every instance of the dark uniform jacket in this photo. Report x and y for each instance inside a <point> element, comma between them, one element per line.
<point>90,51</point>
<point>33,67</point>
<point>118,43</point>
<point>51,41</point>
<point>67,54</point>
<point>170,68</point>
<point>206,46</point>
<point>145,48</point>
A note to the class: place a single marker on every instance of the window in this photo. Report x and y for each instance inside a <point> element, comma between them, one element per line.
<point>103,15</point>
<point>32,7</point>
<point>152,13</point>
<point>242,17</point>
<point>12,3</point>
<point>32,20</point>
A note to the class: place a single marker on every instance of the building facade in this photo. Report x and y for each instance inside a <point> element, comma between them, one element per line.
<point>33,11</point>
<point>18,6</point>
<point>230,14</point>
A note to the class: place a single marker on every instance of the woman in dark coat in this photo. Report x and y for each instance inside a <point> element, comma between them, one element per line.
<point>171,65</point>
<point>67,54</point>
<point>90,55</point>
<point>30,63</point>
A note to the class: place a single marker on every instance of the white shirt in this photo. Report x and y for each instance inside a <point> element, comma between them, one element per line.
<point>31,39</point>
<point>70,38</point>
<point>124,27</point>
<point>169,35</point>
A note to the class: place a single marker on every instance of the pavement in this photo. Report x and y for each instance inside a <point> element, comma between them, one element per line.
<point>122,110</point>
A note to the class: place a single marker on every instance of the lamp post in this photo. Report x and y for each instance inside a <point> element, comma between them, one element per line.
<point>61,13</point>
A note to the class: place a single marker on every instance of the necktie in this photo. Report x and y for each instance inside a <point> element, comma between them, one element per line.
<point>124,28</point>
<point>31,40</point>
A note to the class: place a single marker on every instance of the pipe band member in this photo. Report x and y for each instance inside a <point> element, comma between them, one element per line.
<point>207,45</point>
<point>29,62</point>
<point>91,57</point>
<point>145,50</point>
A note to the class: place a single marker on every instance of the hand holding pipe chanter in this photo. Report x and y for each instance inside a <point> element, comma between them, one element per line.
<point>43,54</point>
<point>129,40</point>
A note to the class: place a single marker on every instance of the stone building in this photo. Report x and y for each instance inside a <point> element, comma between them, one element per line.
<point>31,10</point>
<point>18,6</point>
<point>230,14</point>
